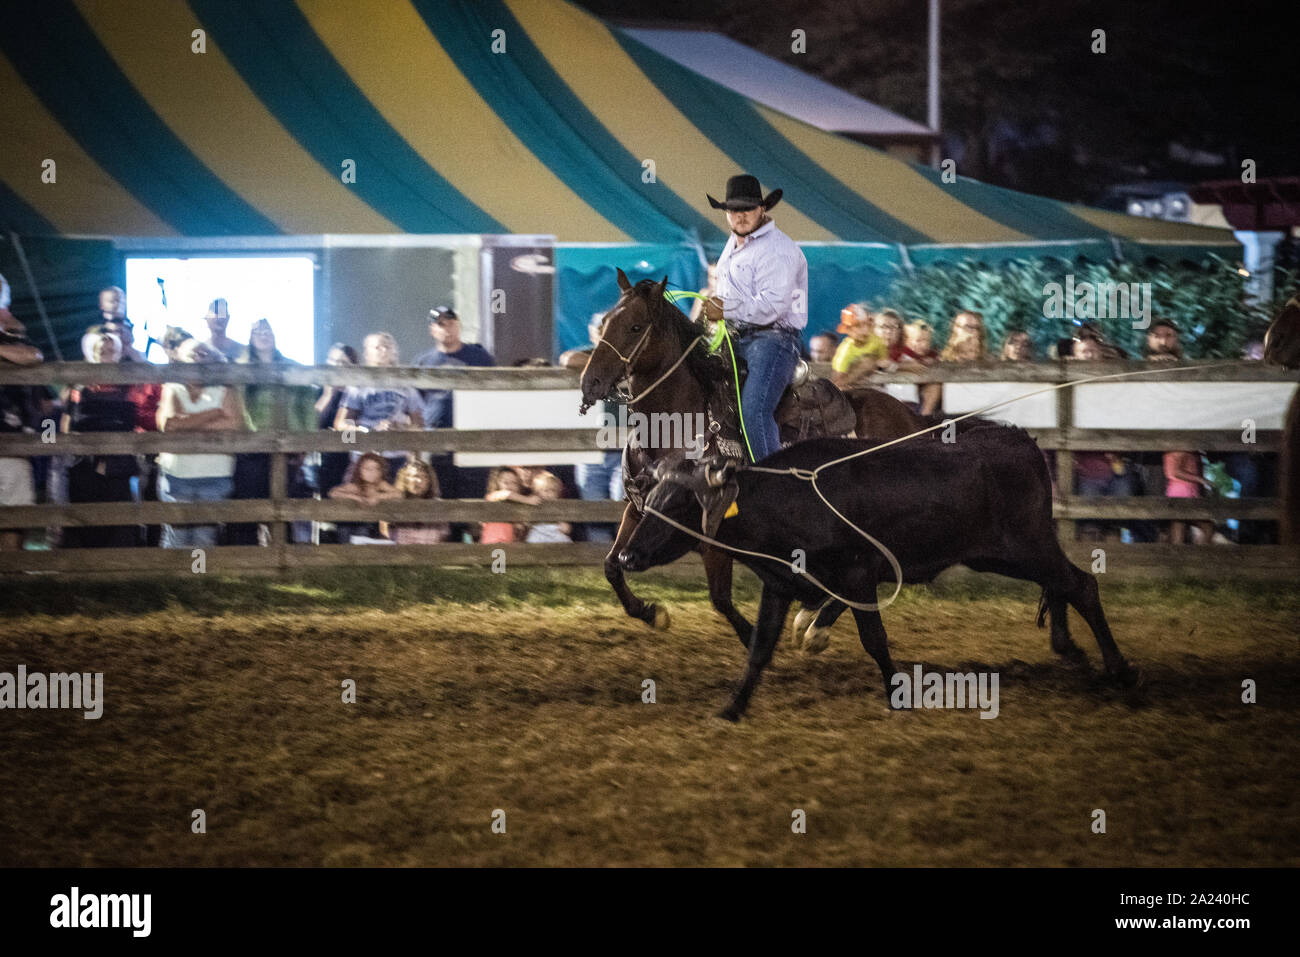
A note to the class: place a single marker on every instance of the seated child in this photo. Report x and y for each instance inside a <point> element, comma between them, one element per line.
<point>548,488</point>
<point>504,485</point>
<point>366,481</point>
<point>416,480</point>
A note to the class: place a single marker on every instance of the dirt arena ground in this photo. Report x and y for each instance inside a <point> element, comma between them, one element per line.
<point>523,693</point>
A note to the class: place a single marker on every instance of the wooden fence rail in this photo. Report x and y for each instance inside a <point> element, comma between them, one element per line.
<point>1063,440</point>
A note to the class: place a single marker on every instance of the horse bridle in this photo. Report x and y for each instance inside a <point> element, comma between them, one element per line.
<point>631,357</point>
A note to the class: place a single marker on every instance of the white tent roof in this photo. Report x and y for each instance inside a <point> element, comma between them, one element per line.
<point>775,84</point>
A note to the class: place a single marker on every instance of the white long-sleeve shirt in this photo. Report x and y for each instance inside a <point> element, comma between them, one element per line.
<point>765,281</point>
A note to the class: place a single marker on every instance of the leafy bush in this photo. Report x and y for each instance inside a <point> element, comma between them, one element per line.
<point>1207,304</point>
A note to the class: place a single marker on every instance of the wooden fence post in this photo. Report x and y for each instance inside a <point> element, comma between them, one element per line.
<point>279,486</point>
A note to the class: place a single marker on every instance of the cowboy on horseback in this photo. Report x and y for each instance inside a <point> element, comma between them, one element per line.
<point>762,292</point>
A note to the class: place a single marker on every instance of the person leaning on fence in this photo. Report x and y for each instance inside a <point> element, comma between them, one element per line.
<point>253,469</point>
<point>145,395</point>
<point>202,476</point>
<point>1099,473</point>
<point>367,484</point>
<point>505,485</point>
<point>967,340</point>
<point>1017,347</point>
<point>1161,345</point>
<point>325,470</point>
<point>919,338</point>
<point>173,338</point>
<point>218,320</point>
<point>381,408</point>
<point>103,477</point>
<point>1088,329</point>
<point>1254,472</point>
<point>861,351</point>
<point>888,326</point>
<point>603,480</point>
<point>416,481</point>
<point>821,347</point>
<point>1184,479</point>
<point>549,488</point>
<point>450,351</point>
<point>20,412</point>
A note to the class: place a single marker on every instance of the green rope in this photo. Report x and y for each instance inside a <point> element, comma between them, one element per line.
<point>735,370</point>
<point>720,334</point>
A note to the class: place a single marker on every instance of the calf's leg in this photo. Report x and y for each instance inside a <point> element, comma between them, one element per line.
<point>1086,599</point>
<point>871,632</point>
<point>805,617</point>
<point>772,609</point>
<point>1056,605</point>
<point>717,568</point>
<point>819,632</point>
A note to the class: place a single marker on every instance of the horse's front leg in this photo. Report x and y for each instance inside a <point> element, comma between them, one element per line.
<point>652,614</point>
<point>717,567</point>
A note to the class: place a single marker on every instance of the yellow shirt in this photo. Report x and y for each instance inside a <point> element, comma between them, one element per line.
<point>849,352</point>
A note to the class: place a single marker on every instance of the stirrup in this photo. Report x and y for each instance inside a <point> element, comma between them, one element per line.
<point>801,373</point>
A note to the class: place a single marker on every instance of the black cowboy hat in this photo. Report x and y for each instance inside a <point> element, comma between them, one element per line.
<point>743,192</point>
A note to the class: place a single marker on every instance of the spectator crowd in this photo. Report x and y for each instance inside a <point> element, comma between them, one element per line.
<point>866,341</point>
<point>364,478</point>
<point>881,341</point>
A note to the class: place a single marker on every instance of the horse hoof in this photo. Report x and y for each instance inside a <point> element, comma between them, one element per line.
<point>730,713</point>
<point>816,640</point>
<point>1129,677</point>
<point>661,619</point>
<point>1072,652</point>
<point>796,636</point>
<point>802,620</point>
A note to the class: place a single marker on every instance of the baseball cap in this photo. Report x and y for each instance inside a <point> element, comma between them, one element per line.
<point>442,312</point>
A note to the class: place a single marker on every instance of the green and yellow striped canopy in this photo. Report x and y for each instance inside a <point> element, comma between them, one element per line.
<point>491,116</point>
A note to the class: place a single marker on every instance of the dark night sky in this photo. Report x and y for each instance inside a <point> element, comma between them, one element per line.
<point>1219,78</point>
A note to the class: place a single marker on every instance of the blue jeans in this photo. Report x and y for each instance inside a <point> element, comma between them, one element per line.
<point>173,489</point>
<point>771,355</point>
<point>603,481</point>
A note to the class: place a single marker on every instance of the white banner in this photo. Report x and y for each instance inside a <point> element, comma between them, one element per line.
<point>531,409</point>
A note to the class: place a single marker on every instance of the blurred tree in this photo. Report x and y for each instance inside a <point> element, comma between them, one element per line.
<point>1207,303</point>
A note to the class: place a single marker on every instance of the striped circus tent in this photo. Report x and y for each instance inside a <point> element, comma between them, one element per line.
<point>460,117</point>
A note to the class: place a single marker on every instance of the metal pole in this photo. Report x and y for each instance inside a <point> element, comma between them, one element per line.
<point>932,112</point>
<point>36,295</point>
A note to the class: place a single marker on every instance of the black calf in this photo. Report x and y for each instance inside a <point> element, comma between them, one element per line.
<point>983,501</point>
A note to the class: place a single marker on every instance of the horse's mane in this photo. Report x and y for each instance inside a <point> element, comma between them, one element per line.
<point>707,369</point>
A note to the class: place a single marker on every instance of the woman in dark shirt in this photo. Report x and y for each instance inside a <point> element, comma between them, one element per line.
<point>100,478</point>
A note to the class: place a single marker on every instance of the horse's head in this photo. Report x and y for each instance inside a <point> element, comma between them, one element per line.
<point>1282,341</point>
<point>628,342</point>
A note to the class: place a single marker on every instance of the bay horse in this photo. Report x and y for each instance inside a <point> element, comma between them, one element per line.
<point>648,341</point>
<point>1282,347</point>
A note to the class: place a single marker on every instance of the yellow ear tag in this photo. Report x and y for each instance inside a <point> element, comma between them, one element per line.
<point>732,511</point>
